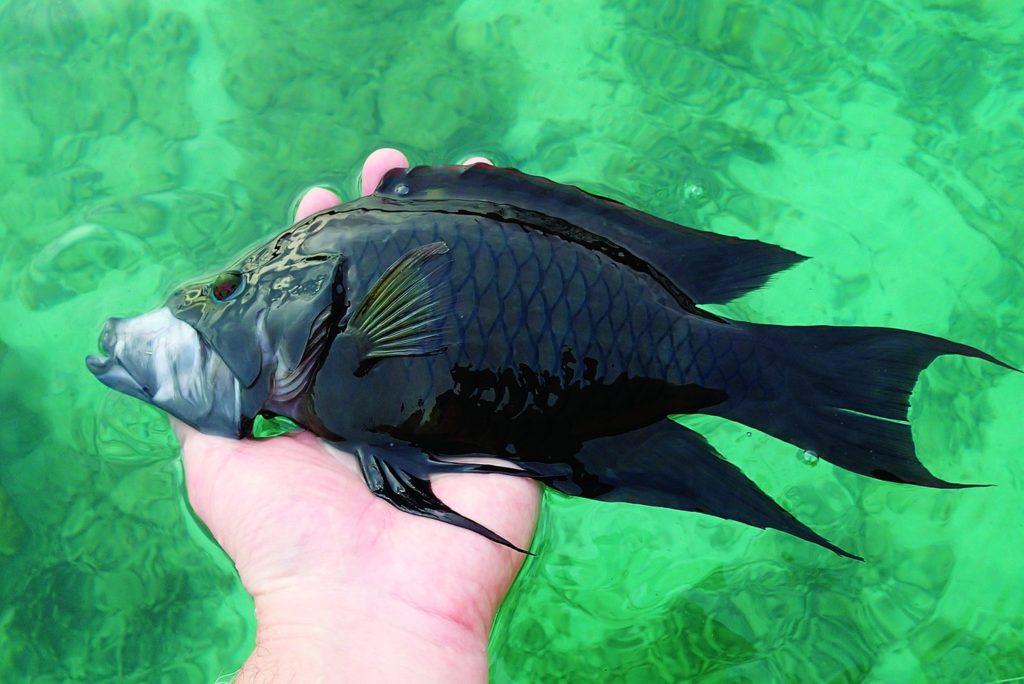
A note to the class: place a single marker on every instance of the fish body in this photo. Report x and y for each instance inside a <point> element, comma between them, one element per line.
<point>545,346</point>
<point>475,311</point>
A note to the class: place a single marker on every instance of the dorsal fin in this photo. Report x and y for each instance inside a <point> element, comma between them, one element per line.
<point>709,268</point>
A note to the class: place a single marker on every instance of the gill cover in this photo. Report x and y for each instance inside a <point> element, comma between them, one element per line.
<point>258,314</point>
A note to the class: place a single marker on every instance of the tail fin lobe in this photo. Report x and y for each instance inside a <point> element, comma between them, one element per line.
<point>844,394</point>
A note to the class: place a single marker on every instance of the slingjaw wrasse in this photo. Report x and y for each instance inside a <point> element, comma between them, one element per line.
<point>480,312</point>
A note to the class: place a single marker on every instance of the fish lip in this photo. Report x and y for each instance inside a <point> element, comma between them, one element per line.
<point>111,372</point>
<point>98,364</point>
<point>101,364</point>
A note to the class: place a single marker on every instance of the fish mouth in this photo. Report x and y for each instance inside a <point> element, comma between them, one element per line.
<point>111,371</point>
<point>163,361</point>
<point>116,376</point>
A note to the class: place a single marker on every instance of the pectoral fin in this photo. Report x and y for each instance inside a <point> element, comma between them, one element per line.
<point>404,312</point>
<point>400,474</point>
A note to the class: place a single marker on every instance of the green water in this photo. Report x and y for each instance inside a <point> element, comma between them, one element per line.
<point>143,143</point>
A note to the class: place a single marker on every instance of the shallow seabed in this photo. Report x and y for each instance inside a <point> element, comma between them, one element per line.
<point>146,142</point>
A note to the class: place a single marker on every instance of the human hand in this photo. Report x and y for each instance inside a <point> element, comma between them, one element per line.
<point>346,587</point>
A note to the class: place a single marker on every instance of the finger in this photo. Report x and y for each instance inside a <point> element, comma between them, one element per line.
<point>377,164</point>
<point>477,160</point>
<point>316,200</point>
<point>200,461</point>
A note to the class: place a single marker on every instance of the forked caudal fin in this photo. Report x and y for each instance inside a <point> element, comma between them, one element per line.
<point>845,395</point>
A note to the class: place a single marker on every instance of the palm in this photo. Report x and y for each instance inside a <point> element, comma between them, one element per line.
<point>290,511</point>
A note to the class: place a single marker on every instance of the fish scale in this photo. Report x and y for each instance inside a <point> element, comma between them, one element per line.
<point>613,318</point>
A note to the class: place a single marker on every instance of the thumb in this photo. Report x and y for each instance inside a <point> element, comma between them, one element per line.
<point>203,458</point>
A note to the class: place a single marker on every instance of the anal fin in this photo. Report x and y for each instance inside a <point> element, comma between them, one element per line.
<point>670,466</point>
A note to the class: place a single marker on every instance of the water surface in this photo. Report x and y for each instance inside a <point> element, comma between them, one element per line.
<point>147,142</point>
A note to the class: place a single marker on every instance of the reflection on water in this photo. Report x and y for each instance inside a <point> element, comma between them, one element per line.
<point>147,143</point>
<point>74,262</point>
<point>13,530</point>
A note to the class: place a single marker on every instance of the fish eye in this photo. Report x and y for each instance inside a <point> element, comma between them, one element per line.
<point>226,286</point>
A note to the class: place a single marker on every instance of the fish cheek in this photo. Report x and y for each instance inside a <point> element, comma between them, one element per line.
<point>234,339</point>
<point>297,301</point>
<point>226,329</point>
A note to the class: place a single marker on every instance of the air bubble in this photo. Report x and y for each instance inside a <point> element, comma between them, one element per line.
<point>809,457</point>
<point>694,191</point>
<point>402,189</point>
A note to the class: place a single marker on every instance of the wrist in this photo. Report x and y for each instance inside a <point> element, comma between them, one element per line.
<point>338,635</point>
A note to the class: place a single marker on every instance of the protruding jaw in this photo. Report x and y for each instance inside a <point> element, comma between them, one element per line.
<point>163,361</point>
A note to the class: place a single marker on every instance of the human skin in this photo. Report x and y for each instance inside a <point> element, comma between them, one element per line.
<point>346,587</point>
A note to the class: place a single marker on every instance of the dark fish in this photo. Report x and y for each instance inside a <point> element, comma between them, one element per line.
<point>482,312</point>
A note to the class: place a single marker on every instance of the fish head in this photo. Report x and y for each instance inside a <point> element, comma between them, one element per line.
<point>212,354</point>
<point>163,361</point>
